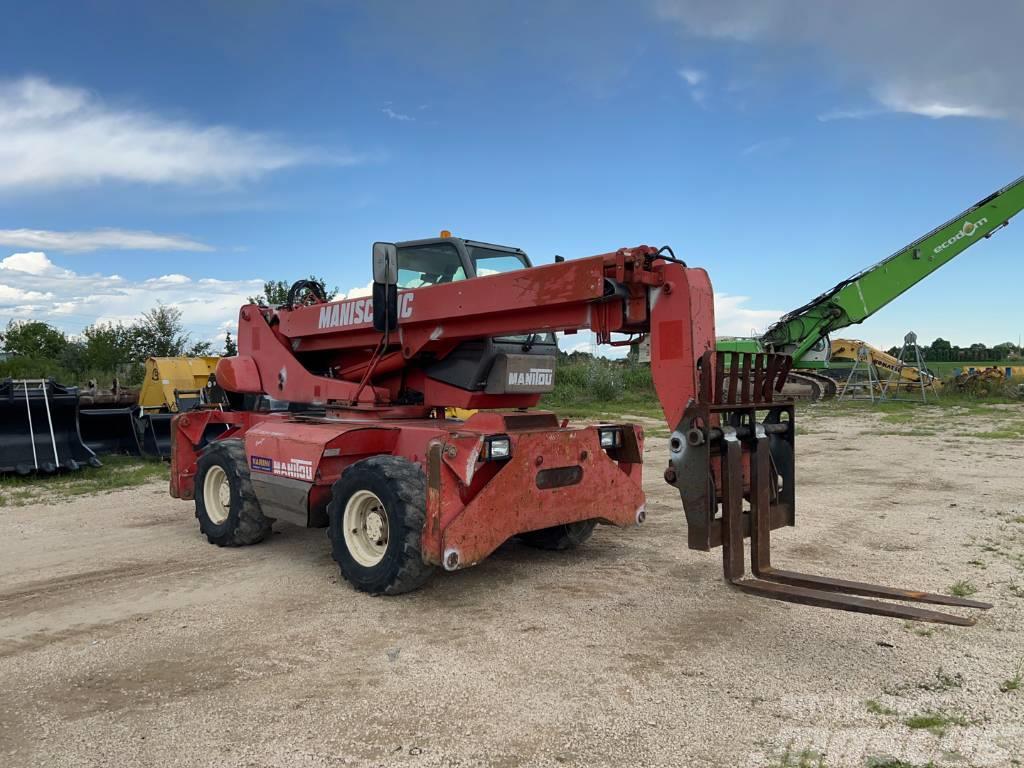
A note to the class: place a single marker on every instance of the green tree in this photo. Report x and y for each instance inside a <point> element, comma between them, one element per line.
<point>32,338</point>
<point>275,292</point>
<point>108,345</point>
<point>160,333</point>
<point>230,347</point>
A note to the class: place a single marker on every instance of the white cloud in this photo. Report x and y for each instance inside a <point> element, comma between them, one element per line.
<point>32,263</point>
<point>696,80</point>
<point>400,116</point>
<point>734,318</point>
<point>934,58</point>
<point>767,146</point>
<point>18,296</point>
<point>82,242</point>
<point>848,114</point>
<point>692,76</point>
<point>365,290</point>
<point>899,98</point>
<point>32,286</point>
<point>55,135</point>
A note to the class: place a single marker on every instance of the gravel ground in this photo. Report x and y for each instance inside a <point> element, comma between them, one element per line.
<point>126,640</point>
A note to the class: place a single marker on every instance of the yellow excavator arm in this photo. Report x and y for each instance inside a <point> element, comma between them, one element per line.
<point>846,349</point>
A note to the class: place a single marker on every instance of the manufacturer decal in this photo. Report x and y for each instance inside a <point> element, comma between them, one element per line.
<point>297,469</point>
<point>535,377</point>
<point>967,230</point>
<point>261,463</point>
<point>359,311</point>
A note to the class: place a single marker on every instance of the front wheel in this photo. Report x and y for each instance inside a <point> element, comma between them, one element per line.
<point>228,511</point>
<point>377,512</point>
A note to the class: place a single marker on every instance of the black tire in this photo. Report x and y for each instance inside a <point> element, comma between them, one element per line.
<point>401,488</point>
<point>245,522</point>
<point>560,537</point>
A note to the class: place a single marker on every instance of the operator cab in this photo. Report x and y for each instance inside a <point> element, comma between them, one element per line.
<point>500,365</point>
<point>447,259</point>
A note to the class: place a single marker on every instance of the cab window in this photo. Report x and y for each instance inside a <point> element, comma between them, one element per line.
<point>433,264</point>
<point>489,261</point>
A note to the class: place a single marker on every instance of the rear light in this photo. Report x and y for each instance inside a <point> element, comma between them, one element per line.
<point>610,437</point>
<point>496,448</point>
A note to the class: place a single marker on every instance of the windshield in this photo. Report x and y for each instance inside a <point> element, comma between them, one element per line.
<point>488,261</point>
<point>421,265</point>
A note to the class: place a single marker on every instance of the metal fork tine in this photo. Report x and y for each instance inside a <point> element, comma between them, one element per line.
<point>827,584</point>
<point>802,588</point>
<point>816,597</point>
<point>732,510</point>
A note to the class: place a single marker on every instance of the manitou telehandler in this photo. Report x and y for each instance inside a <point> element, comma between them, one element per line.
<point>359,442</point>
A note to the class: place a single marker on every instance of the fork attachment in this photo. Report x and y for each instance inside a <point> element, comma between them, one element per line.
<point>722,455</point>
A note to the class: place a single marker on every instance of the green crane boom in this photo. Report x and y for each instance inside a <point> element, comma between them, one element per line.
<point>858,297</point>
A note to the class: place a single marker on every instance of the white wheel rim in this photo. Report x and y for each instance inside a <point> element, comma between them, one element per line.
<point>217,495</point>
<point>365,523</point>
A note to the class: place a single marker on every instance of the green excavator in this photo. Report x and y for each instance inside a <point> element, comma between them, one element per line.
<point>804,332</point>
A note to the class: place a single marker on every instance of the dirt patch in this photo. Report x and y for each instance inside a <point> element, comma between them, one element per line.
<point>125,639</point>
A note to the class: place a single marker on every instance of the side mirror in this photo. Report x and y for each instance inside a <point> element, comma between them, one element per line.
<point>385,287</point>
<point>385,263</point>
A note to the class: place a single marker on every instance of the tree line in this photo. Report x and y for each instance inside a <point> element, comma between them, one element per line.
<point>942,351</point>
<point>36,349</point>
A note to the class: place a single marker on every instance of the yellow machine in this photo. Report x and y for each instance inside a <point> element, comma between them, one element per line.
<point>175,383</point>
<point>982,381</point>
<point>846,349</point>
<point>139,423</point>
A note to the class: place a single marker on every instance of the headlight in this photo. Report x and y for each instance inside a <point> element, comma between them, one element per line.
<point>496,448</point>
<point>611,437</point>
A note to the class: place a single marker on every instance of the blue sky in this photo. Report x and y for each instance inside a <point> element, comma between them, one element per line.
<point>185,152</point>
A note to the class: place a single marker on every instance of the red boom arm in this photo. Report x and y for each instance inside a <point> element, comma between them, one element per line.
<point>321,353</point>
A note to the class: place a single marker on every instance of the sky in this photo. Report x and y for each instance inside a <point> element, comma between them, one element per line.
<point>185,152</point>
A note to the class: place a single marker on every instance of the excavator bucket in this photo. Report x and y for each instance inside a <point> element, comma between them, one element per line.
<point>106,419</point>
<point>109,429</point>
<point>732,458</point>
<point>154,432</point>
<point>39,428</point>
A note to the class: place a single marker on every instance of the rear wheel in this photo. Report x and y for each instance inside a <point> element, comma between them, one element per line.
<point>377,512</point>
<point>560,537</point>
<point>228,511</point>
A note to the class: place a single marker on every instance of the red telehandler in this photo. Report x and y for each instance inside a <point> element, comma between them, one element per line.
<point>336,419</point>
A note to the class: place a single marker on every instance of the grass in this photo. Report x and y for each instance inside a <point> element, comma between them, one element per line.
<point>589,387</point>
<point>892,762</point>
<point>1014,683</point>
<point>946,368</point>
<point>117,472</point>
<point>963,588</point>
<point>596,387</point>
<point>805,758</point>
<point>935,721</point>
<point>940,681</point>
<point>877,708</point>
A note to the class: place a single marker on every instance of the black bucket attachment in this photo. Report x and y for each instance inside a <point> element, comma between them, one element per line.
<point>107,430</point>
<point>39,428</point>
<point>154,431</point>
<point>732,460</point>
